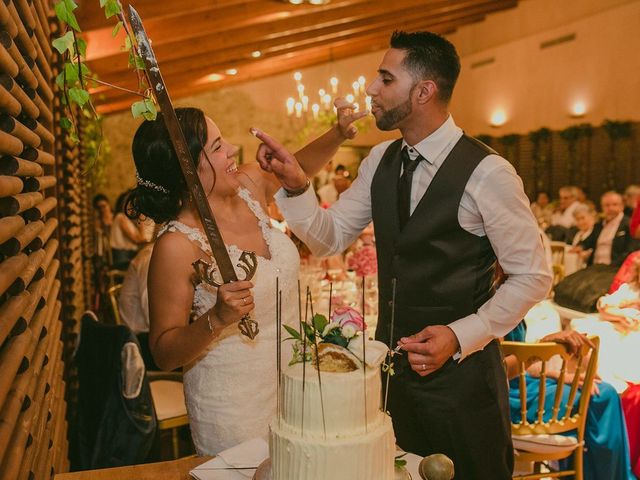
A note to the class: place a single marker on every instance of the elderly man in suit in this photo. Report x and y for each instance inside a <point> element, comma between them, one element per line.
<point>611,240</point>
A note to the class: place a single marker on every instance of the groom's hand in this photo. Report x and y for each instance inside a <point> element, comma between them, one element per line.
<point>430,348</point>
<point>346,116</point>
<point>276,159</point>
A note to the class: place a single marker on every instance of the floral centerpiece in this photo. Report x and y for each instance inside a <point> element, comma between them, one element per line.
<point>336,344</point>
<point>329,339</point>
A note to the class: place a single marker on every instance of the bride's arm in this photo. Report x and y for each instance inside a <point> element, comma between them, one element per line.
<point>174,342</point>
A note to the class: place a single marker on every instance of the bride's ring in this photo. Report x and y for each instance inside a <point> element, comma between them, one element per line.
<point>244,301</point>
<point>424,367</point>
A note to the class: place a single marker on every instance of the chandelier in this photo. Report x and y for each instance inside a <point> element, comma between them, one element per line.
<point>301,107</point>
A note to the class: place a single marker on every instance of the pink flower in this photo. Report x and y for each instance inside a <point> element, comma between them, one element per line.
<point>350,321</point>
<point>364,261</point>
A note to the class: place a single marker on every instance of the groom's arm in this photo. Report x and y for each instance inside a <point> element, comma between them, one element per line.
<point>315,155</point>
<point>331,231</point>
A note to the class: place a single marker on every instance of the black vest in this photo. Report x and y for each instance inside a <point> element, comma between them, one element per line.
<point>442,272</point>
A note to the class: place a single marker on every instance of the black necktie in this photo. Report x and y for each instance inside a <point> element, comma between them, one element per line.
<point>404,186</point>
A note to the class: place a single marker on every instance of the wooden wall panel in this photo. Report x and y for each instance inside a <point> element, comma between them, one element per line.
<point>42,287</point>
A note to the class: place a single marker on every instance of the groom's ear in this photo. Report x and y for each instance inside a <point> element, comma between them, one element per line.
<point>426,91</point>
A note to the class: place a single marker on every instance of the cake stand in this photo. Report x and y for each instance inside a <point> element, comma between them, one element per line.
<point>264,472</point>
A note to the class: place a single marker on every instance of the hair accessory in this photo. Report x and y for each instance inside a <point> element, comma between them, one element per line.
<point>150,184</point>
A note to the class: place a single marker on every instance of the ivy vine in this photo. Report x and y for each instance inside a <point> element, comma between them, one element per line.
<point>540,138</point>
<point>75,79</point>
<point>572,135</point>
<point>617,131</point>
<point>510,144</point>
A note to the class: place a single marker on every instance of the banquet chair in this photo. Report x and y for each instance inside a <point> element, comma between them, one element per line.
<point>114,293</point>
<point>115,277</point>
<point>542,441</point>
<point>168,399</point>
<point>557,255</point>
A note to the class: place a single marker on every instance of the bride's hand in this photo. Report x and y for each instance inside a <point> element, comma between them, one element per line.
<point>234,301</point>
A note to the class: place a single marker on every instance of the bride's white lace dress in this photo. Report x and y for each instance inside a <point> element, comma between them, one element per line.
<point>230,389</point>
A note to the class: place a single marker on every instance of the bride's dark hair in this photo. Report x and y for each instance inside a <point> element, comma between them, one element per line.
<point>157,165</point>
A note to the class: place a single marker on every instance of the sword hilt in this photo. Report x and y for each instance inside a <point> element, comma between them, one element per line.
<point>248,262</point>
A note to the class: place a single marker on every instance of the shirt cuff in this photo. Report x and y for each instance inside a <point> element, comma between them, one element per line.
<point>298,208</point>
<point>472,335</point>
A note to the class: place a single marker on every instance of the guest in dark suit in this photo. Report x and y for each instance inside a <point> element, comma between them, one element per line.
<point>611,240</point>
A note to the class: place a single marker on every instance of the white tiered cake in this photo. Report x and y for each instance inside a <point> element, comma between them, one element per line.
<point>355,446</point>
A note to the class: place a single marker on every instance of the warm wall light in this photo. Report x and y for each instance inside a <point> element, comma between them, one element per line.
<point>498,118</point>
<point>578,109</point>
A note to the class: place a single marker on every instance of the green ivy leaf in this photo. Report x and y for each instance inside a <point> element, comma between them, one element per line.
<point>78,96</point>
<point>319,322</point>
<point>138,63</point>
<point>82,47</point>
<point>73,135</point>
<point>66,123</point>
<point>60,80</point>
<point>64,11</point>
<point>71,72</point>
<point>111,8</point>
<point>116,29</point>
<point>127,44</point>
<point>144,108</point>
<point>151,112</point>
<point>293,332</point>
<point>64,43</point>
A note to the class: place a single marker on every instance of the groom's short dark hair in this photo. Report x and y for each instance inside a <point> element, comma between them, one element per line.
<point>429,56</point>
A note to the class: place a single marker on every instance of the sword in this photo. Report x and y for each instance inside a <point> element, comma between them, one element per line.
<point>204,270</point>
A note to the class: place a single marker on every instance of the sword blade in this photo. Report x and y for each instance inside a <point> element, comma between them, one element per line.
<point>225,266</point>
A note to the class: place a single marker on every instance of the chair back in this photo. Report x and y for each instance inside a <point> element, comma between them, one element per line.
<point>585,363</point>
<point>557,255</point>
<point>115,276</point>
<point>114,294</point>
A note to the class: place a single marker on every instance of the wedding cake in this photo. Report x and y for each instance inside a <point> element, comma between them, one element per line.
<point>330,424</point>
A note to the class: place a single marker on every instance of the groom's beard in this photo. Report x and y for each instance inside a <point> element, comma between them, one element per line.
<point>390,118</point>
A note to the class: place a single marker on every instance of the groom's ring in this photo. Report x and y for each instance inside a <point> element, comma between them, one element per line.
<point>244,301</point>
<point>424,367</point>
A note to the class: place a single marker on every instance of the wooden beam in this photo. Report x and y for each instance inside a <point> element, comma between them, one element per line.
<point>318,38</point>
<point>189,85</point>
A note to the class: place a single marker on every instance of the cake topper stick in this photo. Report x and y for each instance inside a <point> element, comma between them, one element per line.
<point>364,359</point>
<point>304,357</point>
<point>390,354</point>
<point>315,342</point>
<point>248,260</point>
<point>330,298</point>
<point>278,366</point>
<point>299,309</point>
<point>279,358</point>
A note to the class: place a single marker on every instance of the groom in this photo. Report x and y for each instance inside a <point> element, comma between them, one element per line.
<point>446,210</point>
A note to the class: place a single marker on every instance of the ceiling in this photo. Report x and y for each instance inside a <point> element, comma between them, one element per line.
<point>197,41</point>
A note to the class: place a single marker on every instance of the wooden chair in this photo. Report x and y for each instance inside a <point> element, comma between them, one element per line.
<point>168,399</point>
<point>557,255</point>
<point>114,293</point>
<point>541,441</point>
<point>115,277</point>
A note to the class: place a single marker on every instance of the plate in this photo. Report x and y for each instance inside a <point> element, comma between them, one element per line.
<point>264,472</point>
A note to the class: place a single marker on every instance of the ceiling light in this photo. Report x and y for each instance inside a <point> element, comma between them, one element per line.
<point>231,71</point>
<point>256,54</point>
<point>498,118</point>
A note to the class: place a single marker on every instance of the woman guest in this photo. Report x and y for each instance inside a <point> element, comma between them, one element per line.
<point>606,453</point>
<point>229,380</point>
<point>125,237</point>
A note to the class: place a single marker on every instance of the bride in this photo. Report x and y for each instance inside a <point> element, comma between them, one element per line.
<point>229,380</point>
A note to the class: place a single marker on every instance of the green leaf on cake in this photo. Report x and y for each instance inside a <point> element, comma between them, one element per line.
<point>293,332</point>
<point>319,322</point>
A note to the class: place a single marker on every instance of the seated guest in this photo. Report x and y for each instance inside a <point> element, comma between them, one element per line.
<point>125,236</point>
<point>631,199</point>
<point>611,239</point>
<point>542,209</point>
<point>626,272</point>
<point>567,203</point>
<point>606,453</point>
<point>618,326</point>
<point>635,222</point>
<point>133,303</point>
<point>339,183</point>
<point>585,219</point>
